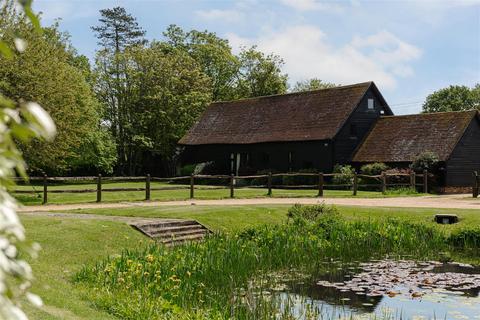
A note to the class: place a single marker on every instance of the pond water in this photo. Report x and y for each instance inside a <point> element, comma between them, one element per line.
<point>386,289</point>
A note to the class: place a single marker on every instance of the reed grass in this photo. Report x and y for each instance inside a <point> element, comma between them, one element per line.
<point>221,277</point>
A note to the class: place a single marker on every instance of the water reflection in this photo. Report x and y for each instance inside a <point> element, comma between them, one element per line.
<point>388,289</point>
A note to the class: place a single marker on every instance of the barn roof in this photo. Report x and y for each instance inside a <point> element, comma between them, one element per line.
<point>311,115</point>
<point>402,138</point>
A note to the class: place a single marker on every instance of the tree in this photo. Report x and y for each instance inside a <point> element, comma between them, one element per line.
<point>214,56</point>
<point>260,74</point>
<point>312,84</point>
<point>169,92</point>
<point>453,98</point>
<point>47,65</point>
<point>117,31</point>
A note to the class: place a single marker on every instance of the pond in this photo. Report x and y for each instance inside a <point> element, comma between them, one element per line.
<point>386,289</point>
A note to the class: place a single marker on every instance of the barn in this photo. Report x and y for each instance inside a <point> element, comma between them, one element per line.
<point>453,136</point>
<point>305,130</point>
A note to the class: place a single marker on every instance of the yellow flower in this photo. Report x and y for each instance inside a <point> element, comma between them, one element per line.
<point>150,258</point>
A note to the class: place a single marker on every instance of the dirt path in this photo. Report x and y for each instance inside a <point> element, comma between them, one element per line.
<point>443,201</point>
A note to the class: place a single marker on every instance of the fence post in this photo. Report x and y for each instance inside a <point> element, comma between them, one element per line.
<point>384,182</point>
<point>192,185</point>
<point>99,188</point>
<point>269,184</point>
<point>232,183</point>
<point>320,184</point>
<point>355,183</point>
<point>147,187</point>
<point>425,181</point>
<point>45,196</point>
<point>413,180</point>
<point>475,188</point>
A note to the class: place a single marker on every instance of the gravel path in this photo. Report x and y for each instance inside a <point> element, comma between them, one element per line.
<point>443,201</point>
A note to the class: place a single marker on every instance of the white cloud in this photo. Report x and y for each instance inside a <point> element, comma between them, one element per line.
<point>381,57</point>
<point>230,15</point>
<point>312,5</point>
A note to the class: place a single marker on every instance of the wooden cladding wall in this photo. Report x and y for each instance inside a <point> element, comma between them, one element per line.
<point>465,158</point>
<point>278,156</point>
<point>362,119</point>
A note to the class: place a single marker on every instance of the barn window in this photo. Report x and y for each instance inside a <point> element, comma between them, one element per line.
<point>382,111</point>
<point>353,130</point>
<point>371,104</point>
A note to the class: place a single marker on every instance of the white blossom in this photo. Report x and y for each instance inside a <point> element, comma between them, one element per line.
<point>43,119</point>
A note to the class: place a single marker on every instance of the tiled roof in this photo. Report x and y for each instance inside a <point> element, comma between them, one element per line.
<point>311,115</point>
<point>402,138</point>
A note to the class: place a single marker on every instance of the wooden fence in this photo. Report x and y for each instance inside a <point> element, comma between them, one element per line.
<point>382,185</point>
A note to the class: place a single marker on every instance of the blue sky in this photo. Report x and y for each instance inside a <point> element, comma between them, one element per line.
<point>409,48</point>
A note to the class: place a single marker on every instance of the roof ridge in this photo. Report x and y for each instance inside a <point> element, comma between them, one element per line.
<point>430,113</point>
<point>295,93</point>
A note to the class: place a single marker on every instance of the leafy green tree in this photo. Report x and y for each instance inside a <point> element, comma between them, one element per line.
<point>260,74</point>
<point>46,73</point>
<point>453,98</point>
<point>169,92</point>
<point>214,56</point>
<point>312,84</point>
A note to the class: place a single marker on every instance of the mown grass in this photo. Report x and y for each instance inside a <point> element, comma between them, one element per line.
<point>233,218</point>
<point>211,279</point>
<point>202,192</point>
<point>67,244</point>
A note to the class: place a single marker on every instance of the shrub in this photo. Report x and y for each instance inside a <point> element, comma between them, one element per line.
<point>343,174</point>
<point>187,170</point>
<point>374,169</point>
<point>425,161</point>
<point>301,213</point>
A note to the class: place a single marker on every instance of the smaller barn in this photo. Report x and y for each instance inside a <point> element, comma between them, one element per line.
<point>453,136</point>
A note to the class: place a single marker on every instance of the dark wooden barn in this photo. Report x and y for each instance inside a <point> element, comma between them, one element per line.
<point>453,136</point>
<point>306,130</point>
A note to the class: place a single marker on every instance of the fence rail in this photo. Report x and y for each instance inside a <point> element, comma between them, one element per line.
<point>192,183</point>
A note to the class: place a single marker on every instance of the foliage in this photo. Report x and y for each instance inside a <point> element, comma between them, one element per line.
<point>213,55</point>
<point>343,174</point>
<point>425,161</point>
<point>453,98</point>
<point>19,121</point>
<point>260,74</point>
<point>373,169</point>
<point>117,31</point>
<point>203,277</point>
<point>312,84</point>
<point>301,213</point>
<point>46,65</point>
<point>187,170</point>
<point>469,238</point>
<point>250,74</point>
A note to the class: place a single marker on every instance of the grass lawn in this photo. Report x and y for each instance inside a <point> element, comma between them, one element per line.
<point>70,243</point>
<point>228,218</point>
<point>201,192</point>
<point>67,244</point>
